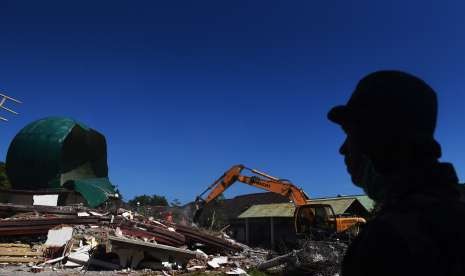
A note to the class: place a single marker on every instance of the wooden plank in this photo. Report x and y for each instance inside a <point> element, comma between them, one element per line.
<point>20,260</point>
<point>19,253</point>
<point>8,245</point>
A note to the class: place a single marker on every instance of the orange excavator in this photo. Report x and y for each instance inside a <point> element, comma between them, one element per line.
<point>308,217</point>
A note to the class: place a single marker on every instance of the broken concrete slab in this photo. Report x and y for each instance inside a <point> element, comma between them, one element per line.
<point>163,253</point>
<point>194,236</point>
<point>237,271</point>
<point>201,254</point>
<point>218,261</point>
<point>129,257</point>
<point>97,263</point>
<point>59,237</point>
<point>81,254</point>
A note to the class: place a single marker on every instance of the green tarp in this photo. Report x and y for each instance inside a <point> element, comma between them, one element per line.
<point>95,190</point>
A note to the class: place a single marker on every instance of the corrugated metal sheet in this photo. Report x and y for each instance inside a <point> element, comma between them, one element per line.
<point>339,205</point>
<point>95,190</point>
<point>367,202</point>
<point>269,210</point>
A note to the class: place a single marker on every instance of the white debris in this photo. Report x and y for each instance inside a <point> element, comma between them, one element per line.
<point>96,214</point>
<point>196,267</point>
<point>159,223</point>
<point>168,265</point>
<point>237,271</point>
<point>59,237</point>
<point>318,258</point>
<point>118,232</point>
<point>201,254</point>
<point>45,200</point>
<point>218,261</point>
<point>213,264</point>
<point>81,254</point>
<point>128,215</point>
<point>83,214</point>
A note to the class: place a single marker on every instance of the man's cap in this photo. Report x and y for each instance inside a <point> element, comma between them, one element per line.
<point>391,101</point>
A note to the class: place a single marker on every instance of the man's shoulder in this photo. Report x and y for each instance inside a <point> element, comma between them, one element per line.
<point>420,212</point>
<point>374,250</point>
<point>424,224</point>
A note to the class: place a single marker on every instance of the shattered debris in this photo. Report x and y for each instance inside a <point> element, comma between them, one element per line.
<point>218,261</point>
<point>77,238</point>
<point>47,238</point>
<point>319,258</point>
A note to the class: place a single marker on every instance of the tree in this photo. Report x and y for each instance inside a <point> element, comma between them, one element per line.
<point>4,182</point>
<point>146,200</point>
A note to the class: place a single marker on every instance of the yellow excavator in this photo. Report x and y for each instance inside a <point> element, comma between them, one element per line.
<point>308,217</point>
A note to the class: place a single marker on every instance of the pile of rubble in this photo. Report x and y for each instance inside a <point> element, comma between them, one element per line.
<point>77,238</point>
<point>318,258</point>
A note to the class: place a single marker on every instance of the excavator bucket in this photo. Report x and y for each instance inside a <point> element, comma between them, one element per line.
<point>199,206</point>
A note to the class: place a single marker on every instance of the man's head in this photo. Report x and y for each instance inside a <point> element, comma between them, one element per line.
<point>389,121</point>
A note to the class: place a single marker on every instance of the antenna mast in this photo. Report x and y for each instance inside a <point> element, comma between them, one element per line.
<point>4,98</point>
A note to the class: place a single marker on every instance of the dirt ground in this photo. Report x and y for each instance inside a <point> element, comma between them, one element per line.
<point>25,270</point>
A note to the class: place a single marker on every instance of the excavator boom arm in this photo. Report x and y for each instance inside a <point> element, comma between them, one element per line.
<point>306,216</point>
<point>285,189</point>
<point>259,180</point>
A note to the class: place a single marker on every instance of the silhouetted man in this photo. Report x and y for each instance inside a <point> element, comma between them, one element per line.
<point>391,153</point>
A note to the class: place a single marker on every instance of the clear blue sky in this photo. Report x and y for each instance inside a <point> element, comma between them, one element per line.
<point>182,90</point>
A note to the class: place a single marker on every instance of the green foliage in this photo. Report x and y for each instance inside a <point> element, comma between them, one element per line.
<point>4,182</point>
<point>146,200</point>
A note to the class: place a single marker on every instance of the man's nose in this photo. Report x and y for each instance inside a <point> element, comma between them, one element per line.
<point>343,148</point>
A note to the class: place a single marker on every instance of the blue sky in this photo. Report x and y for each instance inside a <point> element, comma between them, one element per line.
<point>182,90</point>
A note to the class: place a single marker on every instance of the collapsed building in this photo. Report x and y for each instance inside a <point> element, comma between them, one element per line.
<point>58,161</point>
<point>63,212</point>
<point>272,225</point>
<point>267,219</point>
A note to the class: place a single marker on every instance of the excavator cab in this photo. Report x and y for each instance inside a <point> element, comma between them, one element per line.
<point>312,218</point>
